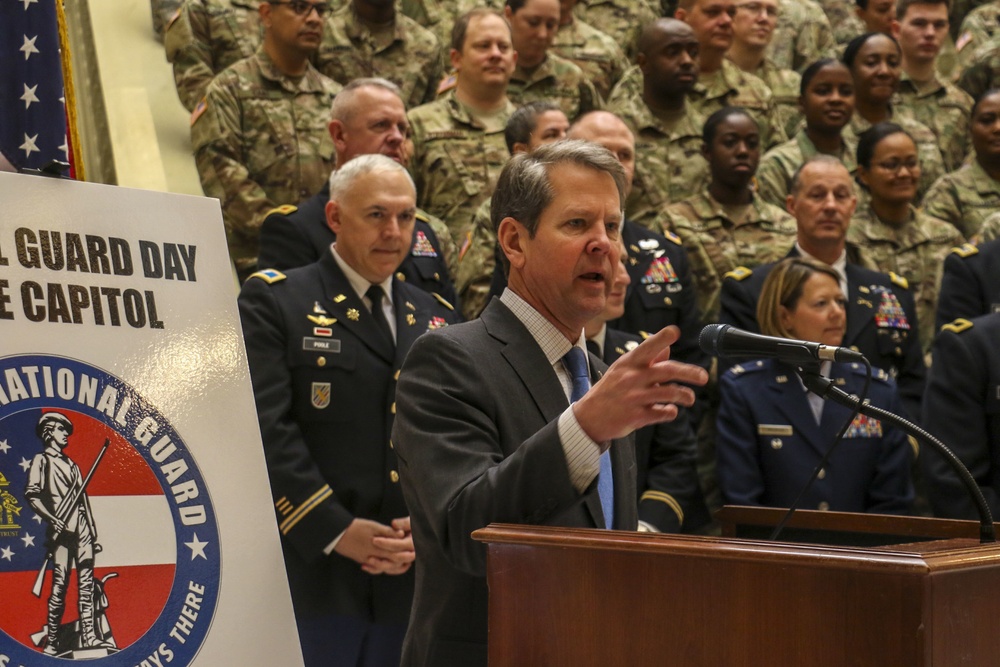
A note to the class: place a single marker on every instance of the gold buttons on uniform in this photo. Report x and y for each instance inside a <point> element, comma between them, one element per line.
<point>394,476</point>
<point>822,473</point>
<point>400,276</point>
<point>392,408</point>
<point>321,362</point>
<point>823,506</point>
<point>667,300</point>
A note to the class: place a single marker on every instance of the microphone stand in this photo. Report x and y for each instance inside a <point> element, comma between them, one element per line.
<point>824,387</point>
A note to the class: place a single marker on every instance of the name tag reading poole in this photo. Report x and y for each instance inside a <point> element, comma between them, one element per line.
<point>310,344</point>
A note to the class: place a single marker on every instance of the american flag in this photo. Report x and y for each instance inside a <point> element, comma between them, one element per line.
<point>32,103</point>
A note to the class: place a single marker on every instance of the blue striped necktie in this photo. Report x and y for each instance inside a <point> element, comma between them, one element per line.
<point>576,363</point>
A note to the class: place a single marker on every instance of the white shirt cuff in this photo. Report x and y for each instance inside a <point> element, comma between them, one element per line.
<point>583,455</point>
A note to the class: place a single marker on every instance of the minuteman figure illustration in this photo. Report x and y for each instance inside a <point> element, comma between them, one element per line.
<point>56,491</point>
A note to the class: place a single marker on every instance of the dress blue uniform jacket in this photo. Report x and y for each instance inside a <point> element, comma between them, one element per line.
<point>881,322</point>
<point>970,286</point>
<point>291,238</point>
<point>769,443</point>
<point>962,408</point>
<point>324,380</point>
<point>670,497</point>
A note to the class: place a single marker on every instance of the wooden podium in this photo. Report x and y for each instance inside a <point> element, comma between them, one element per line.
<point>917,593</point>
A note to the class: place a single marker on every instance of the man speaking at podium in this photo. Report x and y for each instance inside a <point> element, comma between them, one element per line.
<point>507,418</point>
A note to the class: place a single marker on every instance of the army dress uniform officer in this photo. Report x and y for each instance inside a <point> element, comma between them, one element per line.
<point>324,371</point>
<point>881,321</point>
<point>296,236</point>
<point>769,443</point>
<point>970,286</point>
<point>962,408</point>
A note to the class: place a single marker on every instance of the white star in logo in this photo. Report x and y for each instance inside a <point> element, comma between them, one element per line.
<point>197,548</point>
<point>29,95</point>
<point>29,46</point>
<point>64,146</point>
<point>29,540</point>
<point>28,2</point>
<point>36,518</point>
<point>7,554</point>
<point>4,446</point>
<point>29,145</point>
<point>25,464</point>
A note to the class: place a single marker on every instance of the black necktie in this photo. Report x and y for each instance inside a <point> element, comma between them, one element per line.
<point>375,294</point>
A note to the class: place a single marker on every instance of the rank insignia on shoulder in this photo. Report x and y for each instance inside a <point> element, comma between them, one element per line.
<point>421,216</point>
<point>649,244</point>
<point>739,273</point>
<point>320,320</point>
<point>965,250</point>
<point>673,238</point>
<point>286,209</point>
<point>958,326</point>
<point>269,276</point>
<point>899,280</point>
<point>436,323</point>
<point>422,247</point>
<point>660,271</point>
<point>443,301</point>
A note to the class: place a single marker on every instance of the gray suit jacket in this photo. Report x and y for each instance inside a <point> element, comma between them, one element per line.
<point>477,441</point>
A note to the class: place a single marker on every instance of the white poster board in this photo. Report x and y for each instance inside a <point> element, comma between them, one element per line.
<point>118,312</point>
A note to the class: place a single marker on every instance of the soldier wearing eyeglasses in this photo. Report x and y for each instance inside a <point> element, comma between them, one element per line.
<point>259,136</point>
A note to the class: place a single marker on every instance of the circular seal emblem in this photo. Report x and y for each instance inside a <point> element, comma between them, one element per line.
<point>109,547</point>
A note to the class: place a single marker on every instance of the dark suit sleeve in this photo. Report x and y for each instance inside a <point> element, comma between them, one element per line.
<point>283,245</point>
<point>891,488</point>
<point>738,305</point>
<point>912,375</point>
<point>686,348</point>
<point>738,464</point>
<point>672,498</point>
<point>446,436</point>
<point>317,517</point>
<point>954,411</point>
<point>960,295</point>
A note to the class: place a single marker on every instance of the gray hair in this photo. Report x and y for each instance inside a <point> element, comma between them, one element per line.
<point>820,158</point>
<point>343,107</point>
<point>524,189</point>
<point>343,177</point>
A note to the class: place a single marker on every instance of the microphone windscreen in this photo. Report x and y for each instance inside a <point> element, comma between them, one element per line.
<point>710,336</point>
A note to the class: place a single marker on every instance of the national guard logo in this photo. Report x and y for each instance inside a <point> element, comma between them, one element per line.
<point>864,426</point>
<point>660,271</point>
<point>890,314</point>
<point>109,547</point>
<point>422,247</point>
<point>320,395</point>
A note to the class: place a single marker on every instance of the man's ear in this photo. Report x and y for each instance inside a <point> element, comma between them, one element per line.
<point>333,216</point>
<point>336,129</point>
<point>510,237</point>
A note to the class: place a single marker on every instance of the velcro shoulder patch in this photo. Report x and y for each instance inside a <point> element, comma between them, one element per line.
<point>958,326</point>
<point>899,280</point>
<point>965,250</point>
<point>739,273</point>
<point>269,276</point>
<point>285,209</point>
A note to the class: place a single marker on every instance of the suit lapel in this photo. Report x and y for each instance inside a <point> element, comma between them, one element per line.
<point>860,307</point>
<point>351,312</point>
<point>410,320</point>
<point>791,401</point>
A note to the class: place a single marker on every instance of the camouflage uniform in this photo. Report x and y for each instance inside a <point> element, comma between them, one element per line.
<point>456,162</point>
<point>412,60</point>
<point>439,16</point>
<point>623,20</point>
<point>844,20</point>
<point>931,161</point>
<point>978,28</point>
<point>599,56</point>
<point>916,251</point>
<point>669,165</point>
<point>946,110</point>
<point>261,140</point>
<point>163,12</point>
<point>556,80</point>
<point>801,37</point>
<point>716,244</point>
<point>784,85</point>
<point>731,86</point>
<point>476,264</point>
<point>776,168</point>
<point>207,37</point>
<point>964,198</point>
<point>990,229</point>
<point>984,72</point>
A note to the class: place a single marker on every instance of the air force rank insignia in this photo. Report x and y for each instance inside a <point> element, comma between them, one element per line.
<point>320,395</point>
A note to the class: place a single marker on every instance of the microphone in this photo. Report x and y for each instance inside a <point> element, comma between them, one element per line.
<point>722,340</point>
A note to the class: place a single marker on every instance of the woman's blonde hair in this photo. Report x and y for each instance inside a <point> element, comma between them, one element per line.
<point>783,287</point>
